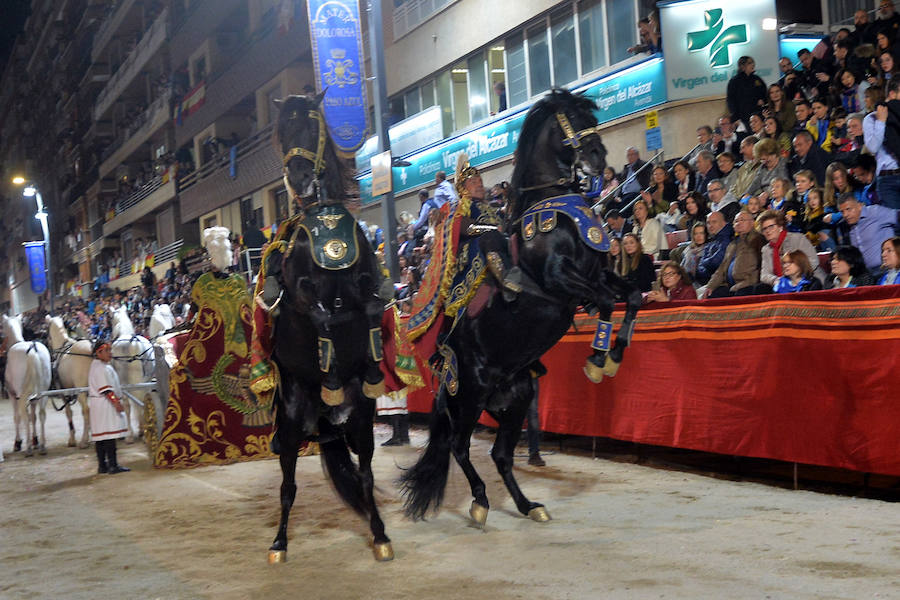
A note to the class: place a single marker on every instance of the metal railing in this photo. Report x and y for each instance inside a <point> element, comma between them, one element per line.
<point>134,128</point>
<point>168,252</point>
<point>109,26</point>
<point>615,191</point>
<point>223,160</point>
<point>139,194</point>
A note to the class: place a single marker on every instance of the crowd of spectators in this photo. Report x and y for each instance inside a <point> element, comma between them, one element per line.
<point>803,168</point>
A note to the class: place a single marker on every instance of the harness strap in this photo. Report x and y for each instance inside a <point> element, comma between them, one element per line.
<point>317,159</point>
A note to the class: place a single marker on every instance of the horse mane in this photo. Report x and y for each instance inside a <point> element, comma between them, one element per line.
<point>558,100</point>
<point>337,173</point>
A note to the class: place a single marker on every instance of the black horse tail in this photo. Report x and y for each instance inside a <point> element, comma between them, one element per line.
<point>344,475</point>
<point>422,485</point>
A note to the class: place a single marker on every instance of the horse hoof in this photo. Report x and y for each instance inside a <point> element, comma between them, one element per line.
<point>479,514</point>
<point>129,440</point>
<point>539,514</point>
<point>29,452</point>
<point>277,556</point>
<point>383,552</point>
<point>610,367</point>
<point>71,444</point>
<point>17,446</point>
<point>593,372</point>
<point>83,445</point>
<point>42,451</point>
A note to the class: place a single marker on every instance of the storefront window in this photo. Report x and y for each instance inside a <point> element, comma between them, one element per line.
<point>517,76</point>
<point>592,34</point>
<point>562,29</point>
<point>623,35</point>
<point>478,89</point>
<point>538,59</point>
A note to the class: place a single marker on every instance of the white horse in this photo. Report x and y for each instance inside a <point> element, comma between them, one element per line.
<point>161,321</point>
<point>73,363</point>
<point>132,358</point>
<point>27,375</point>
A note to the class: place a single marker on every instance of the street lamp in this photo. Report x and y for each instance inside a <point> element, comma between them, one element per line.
<point>31,191</point>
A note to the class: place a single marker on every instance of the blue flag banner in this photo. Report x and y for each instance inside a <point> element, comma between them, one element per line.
<point>34,253</point>
<point>336,39</point>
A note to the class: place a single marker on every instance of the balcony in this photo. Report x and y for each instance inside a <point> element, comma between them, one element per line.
<point>412,13</point>
<point>264,56</point>
<point>95,248</point>
<point>153,195</point>
<point>258,164</point>
<point>109,27</point>
<point>136,133</point>
<point>152,40</point>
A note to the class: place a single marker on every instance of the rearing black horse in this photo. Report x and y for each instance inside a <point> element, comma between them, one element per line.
<point>327,343</point>
<point>560,248</point>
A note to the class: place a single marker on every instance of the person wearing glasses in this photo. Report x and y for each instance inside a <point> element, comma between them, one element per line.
<point>721,200</point>
<point>673,283</point>
<point>779,242</point>
<point>797,274</point>
<point>739,271</point>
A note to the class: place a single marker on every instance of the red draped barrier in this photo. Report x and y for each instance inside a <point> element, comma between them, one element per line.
<point>809,378</point>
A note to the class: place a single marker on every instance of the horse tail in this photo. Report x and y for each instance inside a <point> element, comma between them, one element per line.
<point>343,473</point>
<point>423,484</point>
<point>31,379</point>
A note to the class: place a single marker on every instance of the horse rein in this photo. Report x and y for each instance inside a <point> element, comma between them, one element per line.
<point>570,138</point>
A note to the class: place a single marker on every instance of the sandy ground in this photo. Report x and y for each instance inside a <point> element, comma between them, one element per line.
<point>619,530</point>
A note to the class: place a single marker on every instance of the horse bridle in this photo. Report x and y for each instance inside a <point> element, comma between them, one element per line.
<point>570,138</point>
<point>318,158</point>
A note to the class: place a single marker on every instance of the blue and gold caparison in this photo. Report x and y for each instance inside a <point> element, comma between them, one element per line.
<point>542,218</point>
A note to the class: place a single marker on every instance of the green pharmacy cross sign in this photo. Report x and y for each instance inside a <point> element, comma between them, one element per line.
<point>719,40</point>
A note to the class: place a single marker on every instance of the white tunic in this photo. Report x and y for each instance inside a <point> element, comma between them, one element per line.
<point>106,422</point>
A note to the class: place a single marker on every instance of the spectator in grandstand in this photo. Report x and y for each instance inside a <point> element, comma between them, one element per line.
<point>888,169</point>
<point>617,224</point>
<point>789,82</point>
<point>747,171</point>
<point>848,269</point>
<point>869,226</point>
<point>890,262</point>
<point>797,274</point>
<point>851,94</point>
<point>838,182</point>
<point>635,179</point>
<point>693,251</point>
<point>818,231</point>
<point>848,152</point>
<point>819,124</point>
<point>782,199</point>
<point>863,31</point>
<point>815,77</point>
<point>610,182</point>
<point>746,92</point>
<point>757,125</point>
<point>887,19</point>
<point>721,200</point>
<point>704,144</point>
<point>772,129</point>
<point>874,96</point>
<point>808,155</point>
<point>649,230</point>
<point>739,271</point>
<point>726,137</point>
<point>662,192</point>
<point>771,167</point>
<point>673,283</point>
<point>779,241</point>
<point>706,171</point>
<point>420,226</point>
<point>755,206</point>
<point>634,265</point>
<point>684,178</point>
<point>803,182</point>
<point>720,234</point>
<point>802,112</point>
<point>863,171</point>
<point>615,254</point>
<point>780,107</point>
<point>887,72</point>
<point>727,173</point>
<point>695,211</point>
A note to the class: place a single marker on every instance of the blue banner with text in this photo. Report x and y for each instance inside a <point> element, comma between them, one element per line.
<point>336,38</point>
<point>34,252</point>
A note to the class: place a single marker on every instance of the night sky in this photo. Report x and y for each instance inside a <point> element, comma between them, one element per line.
<point>12,17</point>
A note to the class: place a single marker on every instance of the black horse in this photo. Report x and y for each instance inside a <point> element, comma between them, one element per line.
<point>498,349</point>
<point>326,340</point>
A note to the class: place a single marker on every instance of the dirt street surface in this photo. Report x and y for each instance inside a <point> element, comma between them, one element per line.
<point>618,531</point>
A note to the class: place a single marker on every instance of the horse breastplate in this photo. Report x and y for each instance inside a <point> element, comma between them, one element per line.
<point>542,217</point>
<point>332,236</point>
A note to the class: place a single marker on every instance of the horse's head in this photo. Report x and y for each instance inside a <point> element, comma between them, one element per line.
<point>559,143</point>
<point>12,329</point>
<point>310,163</point>
<point>121,323</point>
<point>56,330</point>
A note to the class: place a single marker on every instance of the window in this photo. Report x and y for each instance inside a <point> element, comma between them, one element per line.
<point>538,59</point>
<point>592,32</point>
<point>517,76</point>
<point>282,208</point>
<point>459,77</point>
<point>427,92</point>
<point>478,89</point>
<point>445,100</point>
<point>411,100</point>
<point>624,34</point>
<point>497,80</point>
<point>562,30</point>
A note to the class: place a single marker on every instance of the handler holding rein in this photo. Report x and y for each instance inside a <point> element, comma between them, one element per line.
<point>107,413</point>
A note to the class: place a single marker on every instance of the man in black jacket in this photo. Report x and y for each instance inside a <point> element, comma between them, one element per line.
<point>633,185</point>
<point>808,155</point>
<point>746,91</point>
